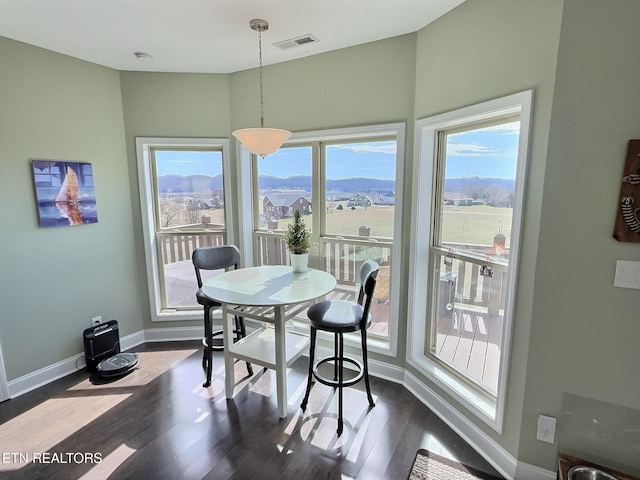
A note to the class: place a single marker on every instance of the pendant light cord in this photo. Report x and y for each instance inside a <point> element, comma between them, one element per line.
<point>261,141</point>
<point>261,89</point>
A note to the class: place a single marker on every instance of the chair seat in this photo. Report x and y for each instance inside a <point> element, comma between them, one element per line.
<point>202,299</point>
<point>338,316</point>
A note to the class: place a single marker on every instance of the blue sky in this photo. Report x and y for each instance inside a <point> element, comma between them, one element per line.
<point>371,159</point>
<point>174,162</point>
<point>488,152</point>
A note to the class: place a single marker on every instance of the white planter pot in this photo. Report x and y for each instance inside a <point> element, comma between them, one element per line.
<point>299,262</point>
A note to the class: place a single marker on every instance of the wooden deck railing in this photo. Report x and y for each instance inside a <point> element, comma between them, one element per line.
<point>340,257</point>
<point>470,310</point>
<point>177,247</point>
<point>469,307</point>
<point>343,257</point>
<point>473,289</point>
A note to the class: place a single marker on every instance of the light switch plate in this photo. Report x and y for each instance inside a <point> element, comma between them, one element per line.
<point>627,274</point>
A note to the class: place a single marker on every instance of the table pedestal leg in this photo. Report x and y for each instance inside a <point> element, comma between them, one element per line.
<point>281,361</point>
<point>227,335</point>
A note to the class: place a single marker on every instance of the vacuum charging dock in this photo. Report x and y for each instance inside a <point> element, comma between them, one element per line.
<point>102,351</point>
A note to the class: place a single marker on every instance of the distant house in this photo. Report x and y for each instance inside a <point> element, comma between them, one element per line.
<point>388,198</point>
<point>359,200</point>
<point>337,196</point>
<point>457,199</point>
<point>199,204</point>
<point>280,206</point>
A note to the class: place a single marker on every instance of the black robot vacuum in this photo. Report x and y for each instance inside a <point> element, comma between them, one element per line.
<point>102,351</point>
<point>117,365</point>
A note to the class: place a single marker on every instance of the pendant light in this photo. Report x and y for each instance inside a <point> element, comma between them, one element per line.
<point>261,141</point>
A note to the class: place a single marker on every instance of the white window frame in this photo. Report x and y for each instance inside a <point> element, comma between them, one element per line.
<point>147,205</point>
<point>245,189</point>
<point>426,130</point>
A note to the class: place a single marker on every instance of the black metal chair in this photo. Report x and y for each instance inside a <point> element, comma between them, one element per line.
<point>215,258</point>
<point>339,317</point>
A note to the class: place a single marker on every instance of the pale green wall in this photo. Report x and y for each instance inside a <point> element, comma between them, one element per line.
<point>585,333</point>
<point>168,105</point>
<point>371,83</point>
<point>480,51</point>
<point>55,279</point>
<point>574,332</point>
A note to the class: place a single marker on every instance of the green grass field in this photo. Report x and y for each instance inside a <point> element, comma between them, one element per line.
<point>474,224</point>
<point>348,222</point>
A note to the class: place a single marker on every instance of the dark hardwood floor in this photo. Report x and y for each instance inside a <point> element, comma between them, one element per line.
<point>159,422</point>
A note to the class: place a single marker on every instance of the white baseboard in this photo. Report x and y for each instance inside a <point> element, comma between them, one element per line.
<point>501,460</point>
<point>133,340</point>
<point>173,334</point>
<point>483,444</point>
<point>48,374</point>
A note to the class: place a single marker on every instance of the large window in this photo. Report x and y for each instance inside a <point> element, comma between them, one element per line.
<point>346,184</point>
<point>469,178</point>
<point>184,205</point>
<point>473,216</point>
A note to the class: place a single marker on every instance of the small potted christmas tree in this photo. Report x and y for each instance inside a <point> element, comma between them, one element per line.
<point>298,240</point>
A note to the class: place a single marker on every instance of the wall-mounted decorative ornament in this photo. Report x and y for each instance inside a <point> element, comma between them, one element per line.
<point>627,226</point>
<point>65,192</point>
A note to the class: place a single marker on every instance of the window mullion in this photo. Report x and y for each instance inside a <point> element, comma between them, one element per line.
<point>318,198</point>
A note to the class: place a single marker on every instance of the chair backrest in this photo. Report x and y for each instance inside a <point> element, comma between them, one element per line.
<point>214,258</point>
<point>368,278</point>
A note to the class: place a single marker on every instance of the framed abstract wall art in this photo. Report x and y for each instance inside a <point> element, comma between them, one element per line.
<point>65,192</point>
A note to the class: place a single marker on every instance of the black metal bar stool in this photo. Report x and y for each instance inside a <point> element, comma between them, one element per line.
<point>215,258</point>
<point>340,317</point>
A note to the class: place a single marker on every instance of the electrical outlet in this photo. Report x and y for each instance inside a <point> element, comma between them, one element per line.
<point>546,429</point>
<point>96,320</point>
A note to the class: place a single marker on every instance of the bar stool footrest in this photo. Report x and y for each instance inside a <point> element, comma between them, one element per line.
<point>334,383</point>
<point>220,347</point>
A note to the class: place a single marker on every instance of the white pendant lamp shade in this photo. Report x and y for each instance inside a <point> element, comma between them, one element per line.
<point>262,141</point>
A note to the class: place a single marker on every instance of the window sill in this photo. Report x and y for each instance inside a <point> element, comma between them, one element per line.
<point>484,408</point>
<point>177,316</point>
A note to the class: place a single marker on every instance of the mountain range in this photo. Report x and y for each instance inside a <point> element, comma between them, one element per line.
<point>200,183</point>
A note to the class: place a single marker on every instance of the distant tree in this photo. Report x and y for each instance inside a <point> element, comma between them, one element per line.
<point>193,216</point>
<point>496,195</point>
<point>475,191</point>
<point>168,212</point>
<point>340,207</point>
<point>353,208</point>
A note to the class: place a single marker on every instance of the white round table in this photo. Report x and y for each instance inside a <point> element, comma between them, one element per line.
<point>271,294</point>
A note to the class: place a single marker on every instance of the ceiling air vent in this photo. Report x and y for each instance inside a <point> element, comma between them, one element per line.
<point>296,42</point>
